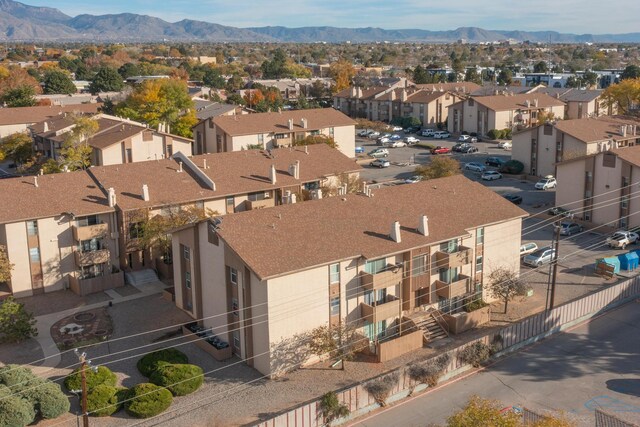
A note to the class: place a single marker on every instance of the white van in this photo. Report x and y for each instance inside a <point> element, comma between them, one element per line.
<point>528,248</point>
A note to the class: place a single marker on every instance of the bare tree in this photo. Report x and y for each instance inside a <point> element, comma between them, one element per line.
<point>506,285</point>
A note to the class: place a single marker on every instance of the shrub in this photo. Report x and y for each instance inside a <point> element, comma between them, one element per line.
<point>475,354</point>
<point>105,400</point>
<point>104,376</point>
<point>494,134</point>
<point>179,379</point>
<point>380,388</point>
<point>474,305</point>
<point>47,399</point>
<point>15,411</point>
<point>149,362</point>
<point>147,400</point>
<point>331,407</point>
<point>16,324</point>
<point>429,372</point>
<point>506,133</point>
<point>513,167</point>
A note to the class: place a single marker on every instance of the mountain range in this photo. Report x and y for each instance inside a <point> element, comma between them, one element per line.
<point>21,22</point>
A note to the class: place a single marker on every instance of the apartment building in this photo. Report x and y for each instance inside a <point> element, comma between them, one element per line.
<point>82,229</point>
<point>363,259</point>
<point>481,114</point>
<point>541,147</point>
<point>427,102</point>
<point>14,120</point>
<point>272,130</point>
<point>603,187</point>
<point>291,89</point>
<point>117,141</point>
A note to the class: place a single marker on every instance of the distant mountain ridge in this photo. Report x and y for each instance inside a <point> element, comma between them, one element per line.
<point>21,22</point>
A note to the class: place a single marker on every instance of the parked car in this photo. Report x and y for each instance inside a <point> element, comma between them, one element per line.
<point>379,152</point>
<point>411,140</point>
<point>373,135</point>
<point>476,167</point>
<point>396,128</point>
<point>359,150</point>
<point>490,175</point>
<point>467,138</point>
<point>440,150</point>
<point>569,228</point>
<point>383,140</point>
<point>414,179</point>
<point>621,239</point>
<point>540,257</point>
<point>427,132</point>
<point>505,145</point>
<point>397,144</point>
<point>469,149</point>
<point>411,129</point>
<point>528,248</point>
<point>494,161</point>
<point>558,211</point>
<point>441,134</point>
<point>546,183</point>
<point>363,133</point>
<point>395,137</point>
<point>380,163</point>
<point>459,146</point>
<point>513,198</point>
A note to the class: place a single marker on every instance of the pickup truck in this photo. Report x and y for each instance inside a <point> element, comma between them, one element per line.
<point>621,239</point>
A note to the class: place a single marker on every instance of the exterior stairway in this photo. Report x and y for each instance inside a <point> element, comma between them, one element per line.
<point>431,324</point>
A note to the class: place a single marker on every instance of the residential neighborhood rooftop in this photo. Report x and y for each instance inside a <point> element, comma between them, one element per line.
<point>28,115</point>
<point>275,241</point>
<point>518,102</point>
<point>598,129</point>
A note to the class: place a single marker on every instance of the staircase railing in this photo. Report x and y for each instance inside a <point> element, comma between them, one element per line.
<point>437,316</point>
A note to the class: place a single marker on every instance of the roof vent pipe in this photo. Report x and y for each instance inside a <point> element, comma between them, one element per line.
<point>111,195</point>
<point>35,181</point>
<point>272,174</point>
<point>180,168</point>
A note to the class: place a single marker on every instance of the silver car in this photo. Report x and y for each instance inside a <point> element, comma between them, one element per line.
<point>540,257</point>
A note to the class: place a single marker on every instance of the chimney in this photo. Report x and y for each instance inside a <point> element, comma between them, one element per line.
<point>623,130</point>
<point>395,232</point>
<point>535,102</point>
<point>359,92</point>
<point>527,103</point>
<point>46,127</point>
<point>111,196</point>
<point>403,95</point>
<point>354,91</point>
<point>306,149</point>
<point>272,174</point>
<point>35,181</point>
<point>393,95</point>
<point>303,123</point>
<point>423,226</point>
<point>290,124</point>
<point>180,168</point>
<point>145,192</point>
<point>293,198</point>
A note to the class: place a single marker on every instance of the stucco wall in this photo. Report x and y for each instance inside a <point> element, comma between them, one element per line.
<point>18,253</point>
<point>606,207</point>
<point>570,190</point>
<point>501,249</point>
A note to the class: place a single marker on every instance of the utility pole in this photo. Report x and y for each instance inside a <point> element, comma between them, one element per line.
<point>84,363</point>
<point>554,263</point>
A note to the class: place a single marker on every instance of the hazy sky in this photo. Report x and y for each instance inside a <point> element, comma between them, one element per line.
<point>574,16</point>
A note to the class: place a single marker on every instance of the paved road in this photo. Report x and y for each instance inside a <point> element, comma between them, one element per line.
<point>594,365</point>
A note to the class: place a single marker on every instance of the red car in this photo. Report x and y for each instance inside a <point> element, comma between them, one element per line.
<point>441,150</point>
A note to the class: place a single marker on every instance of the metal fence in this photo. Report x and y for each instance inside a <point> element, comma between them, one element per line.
<point>604,419</point>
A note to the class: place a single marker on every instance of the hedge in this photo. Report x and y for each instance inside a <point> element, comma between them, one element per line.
<point>147,400</point>
<point>105,400</point>
<point>150,362</point>
<point>179,379</point>
<point>16,412</point>
<point>104,376</point>
<point>512,167</point>
<point>47,399</point>
<point>16,376</point>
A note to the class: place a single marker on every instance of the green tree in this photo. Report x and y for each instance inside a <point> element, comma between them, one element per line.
<point>482,412</point>
<point>505,77</point>
<point>318,90</point>
<point>58,82</point>
<point>540,67</point>
<point>630,72</point>
<point>106,79</point>
<point>22,96</point>
<point>128,70</point>
<point>624,96</point>
<point>76,153</point>
<point>235,82</point>
<point>506,284</point>
<point>5,265</point>
<point>471,75</point>
<point>590,78</point>
<point>17,147</point>
<point>420,75</point>
<point>16,323</point>
<point>213,78</point>
<point>572,82</point>
<point>275,68</point>
<point>439,167</point>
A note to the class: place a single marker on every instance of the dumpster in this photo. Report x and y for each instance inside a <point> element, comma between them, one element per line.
<point>628,261</point>
<point>611,261</point>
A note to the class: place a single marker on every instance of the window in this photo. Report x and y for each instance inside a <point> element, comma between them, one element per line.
<point>609,160</point>
<point>624,202</point>
<point>260,138</point>
<point>34,254</point>
<point>449,247</point>
<point>32,228</point>
<point>334,273</point>
<point>331,131</point>
<point>375,266</point>
<point>314,132</point>
<point>471,102</point>
<point>480,236</point>
<point>234,307</point>
<point>236,340</point>
<point>478,264</point>
<point>448,275</point>
<point>233,276</point>
<point>135,230</point>
<point>186,253</point>
<point>334,305</point>
<point>187,279</point>
<point>311,185</point>
<point>534,114</point>
<point>90,271</point>
<point>170,210</point>
<point>548,129</point>
<point>90,245</point>
<point>281,135</point>
<point>419,265</point>
<point>254,197</point>
<point>625,181</point>
<point>88,220</point>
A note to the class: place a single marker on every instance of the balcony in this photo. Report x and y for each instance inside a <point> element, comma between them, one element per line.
<point>460,257</point>
<point>454,289</point>
<point>259,204</point>
<point>378,312</point>
<point>92,257</point>
<point>384,279</point>
<point>89,232</point>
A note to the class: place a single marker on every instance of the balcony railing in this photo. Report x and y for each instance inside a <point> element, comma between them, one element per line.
<point>92,257</point>
<point>390,308</point>
<point>462,256</point>
<point>89,232</point>
<point>392,276</point>
<point>92,285</point>
<point>454,289</point>
<point>259,204</point>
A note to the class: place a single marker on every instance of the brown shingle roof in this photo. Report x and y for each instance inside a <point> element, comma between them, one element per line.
<point>73,192</point>
<point>597,129</point>
<point>367,92</point>
<point>464,87</point>
<point>238,172</point>
<point>518,102</point>
<point>491,90</point>
<point>425,96</point>
<point>276,241</point>
<point>249,124</point>
<point>28,115</point>
<point>629,154</point>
